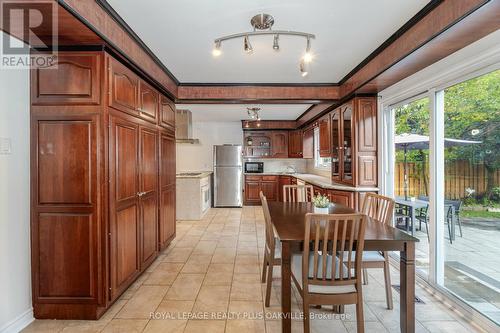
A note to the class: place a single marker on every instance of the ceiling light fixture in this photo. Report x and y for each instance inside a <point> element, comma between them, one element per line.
<point>308,56</point>
<point>276,45</point>
<point>216,51</point>
<point>262,24</point>
<point>254,113</point>
<point>247,46</point>
<point>303,68</point>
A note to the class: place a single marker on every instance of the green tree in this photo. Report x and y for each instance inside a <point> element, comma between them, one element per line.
<point>472,112</point>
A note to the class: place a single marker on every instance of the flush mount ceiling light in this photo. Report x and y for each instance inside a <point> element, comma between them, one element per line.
<point>262,24</point>
<point>254,113</point>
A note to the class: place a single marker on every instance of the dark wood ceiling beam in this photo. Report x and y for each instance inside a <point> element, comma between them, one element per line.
<point>95,16</point>
<point>394,58</point>
<point>224,94</point>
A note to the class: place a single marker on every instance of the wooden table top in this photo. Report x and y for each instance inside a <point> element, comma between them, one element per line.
<point>289,221</point>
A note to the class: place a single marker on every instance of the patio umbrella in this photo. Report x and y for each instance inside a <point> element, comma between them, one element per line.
<point>408,141</point>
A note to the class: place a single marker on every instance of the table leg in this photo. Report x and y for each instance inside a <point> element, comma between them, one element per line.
<point>286,288</point>
<point>407,281</point>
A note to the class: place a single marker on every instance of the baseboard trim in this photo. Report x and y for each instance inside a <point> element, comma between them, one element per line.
<point>19,323</point>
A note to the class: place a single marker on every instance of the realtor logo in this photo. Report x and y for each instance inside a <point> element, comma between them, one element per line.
<point>28,25</point>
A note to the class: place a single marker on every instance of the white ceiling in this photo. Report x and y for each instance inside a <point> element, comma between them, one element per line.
<point>181,34</point>
<point>237,112</point>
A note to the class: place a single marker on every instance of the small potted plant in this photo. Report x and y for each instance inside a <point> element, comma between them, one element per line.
<point>321,204</point>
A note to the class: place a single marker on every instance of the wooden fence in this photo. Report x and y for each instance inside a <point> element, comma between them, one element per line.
<point>459,175</point>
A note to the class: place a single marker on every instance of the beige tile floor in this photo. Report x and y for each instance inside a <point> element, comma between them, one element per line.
<point>213,269</point>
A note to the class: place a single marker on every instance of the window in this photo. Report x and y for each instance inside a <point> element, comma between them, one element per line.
<point>320,162</point>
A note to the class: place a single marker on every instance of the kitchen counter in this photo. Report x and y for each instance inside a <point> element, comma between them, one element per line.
<point>193,195</point>
<point>194,174</point>
<point>323,182</point>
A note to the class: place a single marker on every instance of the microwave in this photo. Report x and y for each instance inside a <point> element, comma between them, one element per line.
<point>254,167</point>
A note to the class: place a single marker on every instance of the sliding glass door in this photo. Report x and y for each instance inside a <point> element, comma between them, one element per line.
<point>445,176</point>
<point>471,186</point>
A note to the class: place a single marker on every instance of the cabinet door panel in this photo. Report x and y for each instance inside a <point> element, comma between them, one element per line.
<point>324,137</point>
<point>295,144</point>
<point>366,173</point>
<point>366,122</point>
<point>149,193</point>
<point>279,144</point>
<point>75,80</point>
<point>126,257</point>
<point>66,155</point>
<point>308,144</point>
<point>167,165</point>
<point>67,255</point>
<point>347,143</point>
<point>336,145</point>
<point>270,190</point>
<point>124,204</point>
<point>167,110</point>
<point>167,215</point>
<point>342,197</point>
<point>124,87</point>
<point>149,209</point>
<point>148,102</point>
<point>252,192</point>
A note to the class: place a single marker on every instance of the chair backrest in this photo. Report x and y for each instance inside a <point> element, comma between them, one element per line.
<point>270,239</point>
<point>378,207</point>
<point>335,237</point>
<point>297,193</point>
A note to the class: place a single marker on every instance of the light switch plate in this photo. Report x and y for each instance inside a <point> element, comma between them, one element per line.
<point>5,146</point>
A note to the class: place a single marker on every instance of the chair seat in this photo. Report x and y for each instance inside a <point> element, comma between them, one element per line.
<point>316,289</point>
<point>368,256</point>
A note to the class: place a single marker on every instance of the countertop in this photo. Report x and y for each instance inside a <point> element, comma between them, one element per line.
<point>202,174</point>
<point>323,182</point>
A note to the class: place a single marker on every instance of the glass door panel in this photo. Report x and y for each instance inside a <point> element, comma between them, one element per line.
<point>471,219</point>
<point>335,123</point>
<point>347,143</point>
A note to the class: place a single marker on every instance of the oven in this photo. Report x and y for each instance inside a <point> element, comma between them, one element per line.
<point>254,167</point>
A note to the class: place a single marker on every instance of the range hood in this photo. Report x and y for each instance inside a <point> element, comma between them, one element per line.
<point>184,127</point>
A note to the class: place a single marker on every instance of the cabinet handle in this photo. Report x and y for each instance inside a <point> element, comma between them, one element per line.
<point>140,194</point>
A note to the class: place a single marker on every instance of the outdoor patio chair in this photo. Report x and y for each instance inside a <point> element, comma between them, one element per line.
<point>457,204</point>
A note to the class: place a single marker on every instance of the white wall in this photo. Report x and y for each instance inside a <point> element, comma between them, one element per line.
<point>199,157</point>
<point>15,271</point>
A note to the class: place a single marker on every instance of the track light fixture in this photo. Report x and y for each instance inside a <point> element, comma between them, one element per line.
<point>262,24</point>
<point>308,57</point>
<point>254,113</point>
<point>276,45</point>
<point>247,46</point>
<point>303,68</point>
<point>216,51</point>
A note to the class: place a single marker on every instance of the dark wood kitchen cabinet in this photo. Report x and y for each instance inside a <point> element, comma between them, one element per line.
<point>102,183</point>
<point>167,113</point>
<point>254,184</point>
<point>279,144</point>
<point>295,144</point>
<point>324,137</point>
<point>308,143</point>
<point>354,142</point>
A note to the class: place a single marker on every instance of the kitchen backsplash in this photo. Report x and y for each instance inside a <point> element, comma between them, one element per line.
<point>280,164</point>
<point>320,172</point>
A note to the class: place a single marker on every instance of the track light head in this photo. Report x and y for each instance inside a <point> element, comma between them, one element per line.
<point>217,51</point>
<point>303,68</point>
<point>308,56</point>
<point>276,45</point>
<point>247,46</point>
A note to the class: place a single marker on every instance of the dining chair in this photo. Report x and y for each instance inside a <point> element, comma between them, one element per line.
<point>380,209</point>
<point>272,251</point>
<point>321,273</point>
<point>297,193</point>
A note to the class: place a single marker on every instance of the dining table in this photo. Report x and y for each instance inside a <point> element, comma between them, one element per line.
<point>288,219</point>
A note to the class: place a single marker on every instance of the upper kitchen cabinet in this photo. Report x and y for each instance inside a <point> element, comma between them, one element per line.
<point>308,143</point>
<point>324,137</point>
<point>148,102</point>
<point>167,113</point>
<point>353,127</point>
<point>123,88</point>
<point>279,144</point>
<point>295,144</point>
<point>74,79</point>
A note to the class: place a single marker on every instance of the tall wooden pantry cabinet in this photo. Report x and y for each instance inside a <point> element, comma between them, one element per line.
<point>103,182</point>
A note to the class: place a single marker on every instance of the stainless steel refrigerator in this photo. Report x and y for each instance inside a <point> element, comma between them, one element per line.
<point>228,176</point>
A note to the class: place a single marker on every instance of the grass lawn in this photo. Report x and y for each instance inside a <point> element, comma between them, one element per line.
<point>479,213</point>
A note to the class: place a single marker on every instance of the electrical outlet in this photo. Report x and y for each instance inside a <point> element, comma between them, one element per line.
<point>5,146</point>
